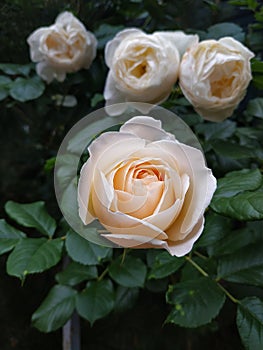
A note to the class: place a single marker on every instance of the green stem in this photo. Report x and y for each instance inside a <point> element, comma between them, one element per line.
<point>103,274</point>
<point>230,296</point>
<point>124,255</point>
<point>200,255</point>
<point>199,268</point>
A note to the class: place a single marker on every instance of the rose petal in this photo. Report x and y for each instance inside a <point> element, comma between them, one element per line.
<point>68,20</point>
<point>146,128</point>
<point>112,96</point>
<point>112,45</point>
<point>181,248</point>
<point>117,221</point>
<point>111,148</point>
<point>179,39</point>
<point>154,193</point>
<point>165,218</point>
<point>105,151</point>
<point>178,249</point>
<point>127,202</point>
<point>202,186</point>
<point>232,44</point>
<point>48,73</point>
<point>102,196</point>
<point>33,40</point>
<point>86,211</point>
<point>120,223</point>
<point>129,241</point>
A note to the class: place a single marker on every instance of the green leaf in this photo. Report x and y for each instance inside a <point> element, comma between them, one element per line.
<point>216,227</point>
<point>189,272</point>
<point>96,99</point>
<point>234,196</point>
<point>55,310</point>
<point>247,134</point>
<point>32,215</point>
<point>96,301</point>
<point>232,150</point>
<point>258,81</point>
<point>243,266</point>
<point>164,265</point>
<point>75,273</point>
<point>32,255</point>
<point>257,66</point>
<point>254,40</point>
<point>5,83</point>
<point>129,273</point>
<point>23,89</point>
<point>16,69</point>
<point>250,323</point>
<point>9,237</point>
<point>151,254</point>
<point>195,302</point>
<point>214,131</point>
<point>255,107</point>
<point>244,206</point>
<point>157,285</point>
<point>220,30</point>
<point>238,181</point>
<point>125,298</point>
<point>252,4</point>
<point>233,241</point>
<point>106,32</point>
<point>83,251</point>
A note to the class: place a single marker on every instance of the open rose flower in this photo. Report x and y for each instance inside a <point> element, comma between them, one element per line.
<point>146,188</point>
<point>143,67</point>
<point>64,47</point>
<point>214,76</point>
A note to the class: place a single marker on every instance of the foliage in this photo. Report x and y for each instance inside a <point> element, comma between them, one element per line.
<point>226,264</point>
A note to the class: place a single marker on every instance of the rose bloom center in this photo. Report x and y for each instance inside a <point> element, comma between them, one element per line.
<point>139,184</point>
<point>224,79</point>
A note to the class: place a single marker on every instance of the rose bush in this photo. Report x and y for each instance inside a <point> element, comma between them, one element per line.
<point>143,67</point>
<point>214,76</point>
<point>145,187</point>
<point>61,48</point>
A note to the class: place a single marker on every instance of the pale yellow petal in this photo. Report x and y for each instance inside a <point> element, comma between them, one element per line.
<point>201,189</point>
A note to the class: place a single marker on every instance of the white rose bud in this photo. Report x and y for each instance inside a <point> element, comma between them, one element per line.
<point>143,67</point>
<point>64,47</point>
<point>214,76</point>
<point>146,188</point>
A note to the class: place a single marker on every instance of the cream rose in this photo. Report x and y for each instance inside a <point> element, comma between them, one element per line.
<point>147,189</point>
<point>143,67</point>
<point>214,76</point>
<point>64,47</point>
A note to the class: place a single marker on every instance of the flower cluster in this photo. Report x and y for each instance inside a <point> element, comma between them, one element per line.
<point>213,75</point>
<point>143,67</point>
<point>145,187</point>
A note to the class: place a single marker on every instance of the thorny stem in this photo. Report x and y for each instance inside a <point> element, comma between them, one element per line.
<point>204,273</point>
